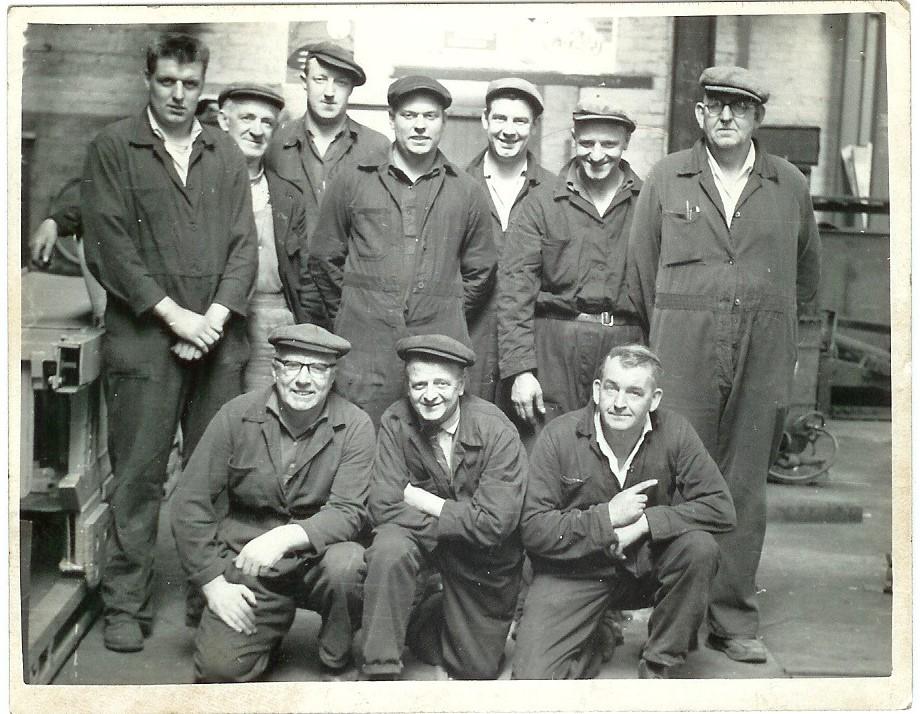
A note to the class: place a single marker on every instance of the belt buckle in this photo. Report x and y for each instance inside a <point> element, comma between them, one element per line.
<point>606,319</point>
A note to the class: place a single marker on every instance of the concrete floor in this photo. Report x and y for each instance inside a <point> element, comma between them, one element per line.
<point>823,610</point>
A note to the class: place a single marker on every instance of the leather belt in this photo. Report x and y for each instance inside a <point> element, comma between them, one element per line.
<point>607,319</point>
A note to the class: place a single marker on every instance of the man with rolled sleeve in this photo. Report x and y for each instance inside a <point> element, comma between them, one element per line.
<point>292,461</point>
<point>403,246</point>
<point>508,172</point>
<point>446,492</point>
<point>311,150</point>
<point>622,501</point>
<point>724,251</point>
<point>169,234</point>
<point>562,301</point>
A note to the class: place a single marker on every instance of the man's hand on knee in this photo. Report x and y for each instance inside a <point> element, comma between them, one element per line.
<point>233,603</point>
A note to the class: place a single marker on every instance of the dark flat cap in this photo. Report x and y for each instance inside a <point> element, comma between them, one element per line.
<point>239,90</point>
<point>596,110</point>
<point>331,54</point>
<point>404,86</point>
<point>734,80</point>
<point>440,347</point>
<point>309,337</point>
<point>516,86</point>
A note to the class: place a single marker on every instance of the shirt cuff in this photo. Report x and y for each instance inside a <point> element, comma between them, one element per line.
<point>602,529</point>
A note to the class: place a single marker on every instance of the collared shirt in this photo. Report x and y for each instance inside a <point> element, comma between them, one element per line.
<point>619,471</point>
<point>446,433</point>
<point>179,152</point>
<point>730,187</point>
<point>314,163</point>
<point>504,192</point>
<point>268,278</point>
<point>576,185</point>
<point>289,439</point>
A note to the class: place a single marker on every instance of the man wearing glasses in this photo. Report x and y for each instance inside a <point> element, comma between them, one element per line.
<point>723,254</point>
<point>291,464</point>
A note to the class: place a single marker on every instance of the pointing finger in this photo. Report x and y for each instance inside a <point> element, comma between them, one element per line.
<point>642,486</point>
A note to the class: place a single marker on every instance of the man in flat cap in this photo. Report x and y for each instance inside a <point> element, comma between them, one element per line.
<point>508,172</point>
<point>446,493</point>
<point>724,251</point>
<point>292,464</point>
<point>403,246</point>
<point>562,300</point>
<point>310,150</point>
<point>284,293</point>
<point>169,234</point>
<point>622,501</point>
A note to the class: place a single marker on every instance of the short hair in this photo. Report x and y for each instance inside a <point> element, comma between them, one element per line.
<point>513,94</point>
<point>633,355</point>
<point>185,49</point>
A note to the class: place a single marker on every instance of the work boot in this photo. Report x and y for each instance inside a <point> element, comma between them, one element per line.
<point>740,649</point>
<point>123,635</point>
<point>652,670</point>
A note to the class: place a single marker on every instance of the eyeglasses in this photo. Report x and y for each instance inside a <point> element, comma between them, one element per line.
<point>738,107</point>
<point>292,367</point>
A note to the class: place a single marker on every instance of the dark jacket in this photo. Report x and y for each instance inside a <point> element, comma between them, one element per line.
<point>286,156</point>
<point>561,259</point>
<point>324,488</point>
<point>566,523</point>
<point>484,497</point>
<point>148,236</point>
<point>483,322</point>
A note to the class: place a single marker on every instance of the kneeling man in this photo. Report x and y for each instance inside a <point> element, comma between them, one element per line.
<point>446,494</point>
<point>621,503</point>
<point>290,465</point>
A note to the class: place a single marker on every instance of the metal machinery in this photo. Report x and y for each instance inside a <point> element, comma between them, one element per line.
<point>64,471</point>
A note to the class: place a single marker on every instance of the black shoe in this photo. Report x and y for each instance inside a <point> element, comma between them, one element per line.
<point>123,635</point>
<point>652,670</point>
<point>740,649</point>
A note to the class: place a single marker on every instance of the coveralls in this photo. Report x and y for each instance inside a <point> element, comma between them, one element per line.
<point>391,258</point>
<point>720,307</point>
<point>568,536</point>
<point>483,377</point>
<point>475,543</point>
<point>147,237</point>
<point>561,259</point>
<point>321,486</point>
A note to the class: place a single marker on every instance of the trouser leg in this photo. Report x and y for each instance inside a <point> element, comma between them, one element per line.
<point>560,617</point>
<point>394,560</point>
<point>143,386</point>
<point>684,569</point>
<point>224,655</point>
<point>333,588</point>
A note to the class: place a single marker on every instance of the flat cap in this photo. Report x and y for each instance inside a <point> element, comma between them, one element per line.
<point>309,337</point>
<point>252,91</point>
<point>595,109</point>
<point>412,83</point>
<point>441,347</point>
<point>329,53</point>
<point>734,80</point>
<point>516,86</point>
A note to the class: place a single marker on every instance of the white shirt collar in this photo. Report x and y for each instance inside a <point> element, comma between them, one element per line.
<point>490,168</point>
<point>158,132</point>
<point>619,471</point>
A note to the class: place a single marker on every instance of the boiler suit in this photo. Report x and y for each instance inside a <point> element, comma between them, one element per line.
<point>720,305</point>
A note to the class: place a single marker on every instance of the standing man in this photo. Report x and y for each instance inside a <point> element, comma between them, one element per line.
<point>562,301</point>
<point>508,171</point>
<point>293,463</point>
<point>284,291</point>
<point>403,246</point>
<point>723,249</point>
<point>622,499</point>
<point>446,492</point>
<point>169,234</point>
<point>312,150</point>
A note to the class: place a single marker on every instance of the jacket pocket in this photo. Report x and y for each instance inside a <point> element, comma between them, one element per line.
<point>680,240</point>
<point>560,262</point>
<point>369,233</point>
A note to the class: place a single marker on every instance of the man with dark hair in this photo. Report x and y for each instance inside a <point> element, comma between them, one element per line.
<point>293,464</point>
<point>562,301</point>
<point>169,234</point>
<point>622,501</point>
<point>403,246</point>
<point>724,252</point>
<point>311,150</point>
<point>446,492</point>
<point>508,172</point>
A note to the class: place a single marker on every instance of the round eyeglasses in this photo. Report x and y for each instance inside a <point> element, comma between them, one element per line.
<point>292,368</point>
